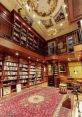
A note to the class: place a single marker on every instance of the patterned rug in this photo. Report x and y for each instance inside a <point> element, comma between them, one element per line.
<point>36,103</point>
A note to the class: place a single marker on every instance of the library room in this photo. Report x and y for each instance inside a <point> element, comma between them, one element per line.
<point>40,58</point>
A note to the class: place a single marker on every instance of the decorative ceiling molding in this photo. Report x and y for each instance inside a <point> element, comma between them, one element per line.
<point>47,26</point>
<point>60,16</point>
<point>43,7</point>
<point>47,23</point>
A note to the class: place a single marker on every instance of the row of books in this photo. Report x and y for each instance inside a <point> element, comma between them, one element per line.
<point>10,78</point>
<point>23,69</point>
<point>10,73</point>
<point>23,73</point>
<point>24,77</point>
<point>13,68</point>
<point>10,64</point>
<point>23,65</point>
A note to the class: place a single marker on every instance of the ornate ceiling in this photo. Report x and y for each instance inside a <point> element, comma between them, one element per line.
<point>43,7</point>
<point>48,17</point>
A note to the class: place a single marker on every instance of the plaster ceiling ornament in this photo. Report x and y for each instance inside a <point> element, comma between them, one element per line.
<point>43,7</point>
<point>47,23</point>
<point>46,15</point>
<point>59,16</point>
<point>29,20</point>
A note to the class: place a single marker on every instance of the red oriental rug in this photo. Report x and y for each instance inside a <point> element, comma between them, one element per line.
<point>36,103</point>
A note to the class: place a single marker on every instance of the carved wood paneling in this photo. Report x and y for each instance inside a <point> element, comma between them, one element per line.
<point>74,8</point>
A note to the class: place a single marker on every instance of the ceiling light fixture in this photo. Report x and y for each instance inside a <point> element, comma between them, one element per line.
<point>61,24</point>
<point>34,15</point>
<point>69,59</point>
<point>51,29</point>
<point>29,57</point>
<point>39,22</point>
<point>37,2</point>
<point>55,29</point>
<point>27,7</point>
<point>17,54</point>
<point>66,14</point>
<point>64,5</point>
<point>37,60</point>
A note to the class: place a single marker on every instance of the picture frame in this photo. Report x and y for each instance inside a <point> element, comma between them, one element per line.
<point>62,68</point>
<point>50,69</point>
<point>70,40</point>
<point>70,43</point>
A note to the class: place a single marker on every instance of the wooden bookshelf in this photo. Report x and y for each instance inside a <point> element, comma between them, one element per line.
<point>23,73</point>
<point>14,71</point>
<point>14,28</point>
<point>23,35</point>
